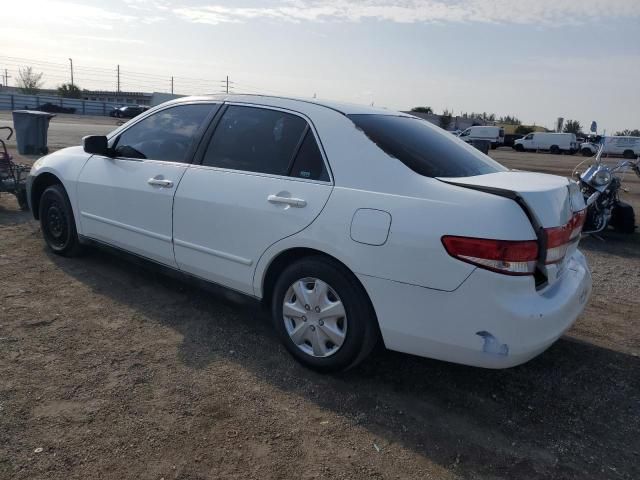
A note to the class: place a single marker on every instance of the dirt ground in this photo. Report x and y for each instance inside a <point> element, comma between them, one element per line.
<point>110,371</point>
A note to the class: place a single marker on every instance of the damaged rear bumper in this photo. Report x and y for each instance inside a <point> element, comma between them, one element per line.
<point>491,320</point>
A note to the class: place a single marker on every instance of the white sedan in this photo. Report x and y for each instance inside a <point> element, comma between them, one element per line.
<point>354,225</point>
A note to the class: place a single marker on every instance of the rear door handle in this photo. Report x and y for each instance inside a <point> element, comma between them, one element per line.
<point>294,202</point>
<point>160,182</point>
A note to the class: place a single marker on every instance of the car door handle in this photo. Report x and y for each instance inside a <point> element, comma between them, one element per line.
<point>160,182</point>
<point>294,202</point>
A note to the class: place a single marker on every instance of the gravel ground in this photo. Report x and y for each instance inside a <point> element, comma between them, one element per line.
<point>110,371</point>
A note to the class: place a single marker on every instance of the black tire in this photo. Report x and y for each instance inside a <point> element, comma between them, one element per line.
<point>518,148</point>
<point>623,218</point>
<point>630,154</point>
<point>57,222</point>
<point>586,152</point>
<point>555,150</point>
<point>494,146</point>
<point>362,332</point>
<point>21,197</point>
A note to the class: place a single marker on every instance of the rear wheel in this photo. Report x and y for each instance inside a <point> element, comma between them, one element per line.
<point>322,315</point>
<point>623,218</point>
<point>555,150</point>
<point>57,222</point>
<point>630,154</point>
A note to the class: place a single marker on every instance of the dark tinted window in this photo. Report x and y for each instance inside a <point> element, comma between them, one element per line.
<point>165,135</point>
<point>425,148</point>
<point>255,140</point>
<point>309,162</point>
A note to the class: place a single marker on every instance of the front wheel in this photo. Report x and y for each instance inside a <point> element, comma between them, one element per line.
<point>323,315</point>
<point>630,154</point>
<point>519,148</point>
<point>623,218</point>
<point>57,222</point>
<point>555,150</point>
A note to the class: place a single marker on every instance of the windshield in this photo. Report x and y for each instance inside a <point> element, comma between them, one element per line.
<point>425,148</point>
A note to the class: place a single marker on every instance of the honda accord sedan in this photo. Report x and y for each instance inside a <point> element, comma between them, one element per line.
<point>354,225</point>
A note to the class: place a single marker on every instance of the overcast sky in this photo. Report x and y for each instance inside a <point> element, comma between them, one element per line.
<point>536,59</point>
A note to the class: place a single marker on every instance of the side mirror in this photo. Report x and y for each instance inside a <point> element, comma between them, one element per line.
<point>96,145</point>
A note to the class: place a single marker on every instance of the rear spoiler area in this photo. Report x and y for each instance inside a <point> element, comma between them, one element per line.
<point>553,243</point>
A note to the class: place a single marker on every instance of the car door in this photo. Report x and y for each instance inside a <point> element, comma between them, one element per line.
<point>126,199</point>
<point>466,135</point>
<point>528,142</point>
<point>262,177</point>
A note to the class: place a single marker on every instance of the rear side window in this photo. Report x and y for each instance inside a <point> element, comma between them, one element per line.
<point>165,135</point>
<point>256,140</point>
<point>425,148</point>
<point>309,163</point>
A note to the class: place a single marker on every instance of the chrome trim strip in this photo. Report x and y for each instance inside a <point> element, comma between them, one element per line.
<point>124,226</point>
<point>215,253</point>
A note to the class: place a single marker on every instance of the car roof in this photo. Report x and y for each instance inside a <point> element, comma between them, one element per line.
<point>343,108</point>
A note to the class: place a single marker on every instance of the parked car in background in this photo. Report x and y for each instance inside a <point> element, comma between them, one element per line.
<point>352,224</point>
<point>628,147</point>
<point>53,108</point>
<point>495,135</point>
<point>553,142</point>
<point>130,111</point>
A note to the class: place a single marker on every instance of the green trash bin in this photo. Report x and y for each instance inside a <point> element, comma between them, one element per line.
<point>31,129</point>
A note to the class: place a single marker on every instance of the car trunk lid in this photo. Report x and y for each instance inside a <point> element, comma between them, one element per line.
<point>554,205</point>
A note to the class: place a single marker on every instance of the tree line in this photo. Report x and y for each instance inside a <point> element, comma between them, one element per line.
<point>570,126</point>
<point>30,83</point>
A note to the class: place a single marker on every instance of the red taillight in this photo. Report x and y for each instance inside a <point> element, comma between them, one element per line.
<point>503,256</point>
<point>559,239</point>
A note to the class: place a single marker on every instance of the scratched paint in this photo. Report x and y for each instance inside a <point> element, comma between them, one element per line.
<point>492,345</point>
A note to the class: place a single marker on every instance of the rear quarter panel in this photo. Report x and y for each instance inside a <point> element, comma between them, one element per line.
<point>413,252</point>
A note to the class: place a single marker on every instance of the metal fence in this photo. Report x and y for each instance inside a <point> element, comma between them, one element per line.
<point>15,101</point>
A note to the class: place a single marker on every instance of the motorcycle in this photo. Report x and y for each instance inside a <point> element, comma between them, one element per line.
<point>601,184</point>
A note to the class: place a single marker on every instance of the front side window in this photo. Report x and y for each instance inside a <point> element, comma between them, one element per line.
<point>423,147</point>
<point>529,137</point>
<point>166,135</point>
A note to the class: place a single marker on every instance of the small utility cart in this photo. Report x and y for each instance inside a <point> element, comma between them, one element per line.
<point>13,176</point>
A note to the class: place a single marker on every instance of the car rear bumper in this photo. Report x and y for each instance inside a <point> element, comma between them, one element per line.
<point>491,320</point>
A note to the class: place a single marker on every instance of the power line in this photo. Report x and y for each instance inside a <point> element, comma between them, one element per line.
<point>96,78</point>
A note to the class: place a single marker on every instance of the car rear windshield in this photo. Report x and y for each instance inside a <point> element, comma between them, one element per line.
<point>423,147</point>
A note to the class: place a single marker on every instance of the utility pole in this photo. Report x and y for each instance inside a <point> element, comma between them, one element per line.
<point>171,85</point>
<point>71,63</point>
<point>227,85</point>
<point>118,89</point>
<point>6,77</point>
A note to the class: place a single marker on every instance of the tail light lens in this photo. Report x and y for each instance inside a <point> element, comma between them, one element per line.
<point>503,256</point>
<point>516,257</point>
<point>559,239</point>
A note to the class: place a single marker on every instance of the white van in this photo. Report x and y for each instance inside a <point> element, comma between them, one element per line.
<point>628,147</point>
<point>554,142</point>
<point>494,134</point>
